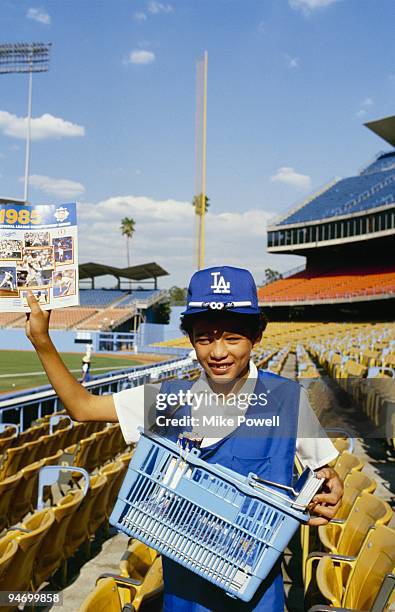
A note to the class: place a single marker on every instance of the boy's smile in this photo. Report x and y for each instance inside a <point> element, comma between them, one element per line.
<point>223,346</point>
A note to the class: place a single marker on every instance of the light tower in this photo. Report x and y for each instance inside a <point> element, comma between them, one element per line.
<point>25,58</point>
<point>200,201</point>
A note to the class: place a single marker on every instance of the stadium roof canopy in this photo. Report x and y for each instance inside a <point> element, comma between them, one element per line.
<point>385,128</point>
<point>142,272</point>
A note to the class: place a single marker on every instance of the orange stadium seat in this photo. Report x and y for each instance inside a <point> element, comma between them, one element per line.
<point>341,283</point>
<point>105,319</point>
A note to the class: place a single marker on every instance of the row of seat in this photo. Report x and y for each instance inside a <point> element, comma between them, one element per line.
<point>31,552</point>
<point>16,453</point>
<point>357,550</point>
<point>374,395</point>
<point>139,581</point>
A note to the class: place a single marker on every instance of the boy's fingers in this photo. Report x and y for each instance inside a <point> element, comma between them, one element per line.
<point>31,300</point>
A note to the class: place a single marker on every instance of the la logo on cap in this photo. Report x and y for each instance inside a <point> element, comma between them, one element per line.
<point>219,284</point>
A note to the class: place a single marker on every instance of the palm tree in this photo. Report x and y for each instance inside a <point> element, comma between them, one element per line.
<point>127,229</point>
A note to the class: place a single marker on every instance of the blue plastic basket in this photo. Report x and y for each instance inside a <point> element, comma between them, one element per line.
<point>225,527</point>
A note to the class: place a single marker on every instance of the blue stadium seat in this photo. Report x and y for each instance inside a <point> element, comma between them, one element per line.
<point>99,297</point>
<point>357,193</point>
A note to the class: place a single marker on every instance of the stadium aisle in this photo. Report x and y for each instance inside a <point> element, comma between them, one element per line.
<point>107,560</point>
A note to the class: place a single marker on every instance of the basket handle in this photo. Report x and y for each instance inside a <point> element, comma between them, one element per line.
<point>253,477</point>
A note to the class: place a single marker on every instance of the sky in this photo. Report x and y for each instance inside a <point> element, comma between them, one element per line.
<point>290,84</point>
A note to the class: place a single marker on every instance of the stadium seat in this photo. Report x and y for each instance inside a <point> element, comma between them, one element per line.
<point>78,528</point>
<point>32,452</point>
<point>106,596</point>
<point>355,484</point>
<point>25,495</point>
<point>143,564</point>
<point>52,548</point>
<point>6,441</point>
<point>106,451</point>
<point>8,549</point>
<point>93,459</point>
<point>367,513</point>
<point>9,462</point>
<point>347,463</point>
<point>8,486</point>
<point>29,536</point>
<point>375,560</point>
<point>114,473</point>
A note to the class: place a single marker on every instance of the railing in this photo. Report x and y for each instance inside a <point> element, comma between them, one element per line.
<point>23,409</point>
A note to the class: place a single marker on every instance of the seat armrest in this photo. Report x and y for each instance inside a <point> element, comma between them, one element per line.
<point>120,579</point>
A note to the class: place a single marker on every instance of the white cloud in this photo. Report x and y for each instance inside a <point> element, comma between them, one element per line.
<point>157,7</point>
<point>58,187</point>
<point>366,103</point>
<point>309,5</point>
<point>293,62</point>
<point>165,233</point>
<point>39,14</point>
<point>46,126</point>
<point>289,176</point>
<point>141,56</point>
<point>140,16</point>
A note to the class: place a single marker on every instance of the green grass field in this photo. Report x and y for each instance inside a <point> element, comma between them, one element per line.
<point>23,370</point>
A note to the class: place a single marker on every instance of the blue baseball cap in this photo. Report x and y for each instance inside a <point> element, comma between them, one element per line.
<point>222,288</point>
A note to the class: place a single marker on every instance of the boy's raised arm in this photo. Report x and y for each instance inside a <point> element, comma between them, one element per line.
<point>79,403</point>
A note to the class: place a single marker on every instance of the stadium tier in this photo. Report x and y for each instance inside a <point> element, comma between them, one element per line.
<point>357,193</point>
<point>108,318</point>
<point>337,284</point>
<point>99,298</point>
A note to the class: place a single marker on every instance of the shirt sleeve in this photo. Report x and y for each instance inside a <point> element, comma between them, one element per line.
<point>129,406</point>
<point>313,447</point>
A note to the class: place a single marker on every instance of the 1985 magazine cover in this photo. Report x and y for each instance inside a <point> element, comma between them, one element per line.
<point>38,252</point>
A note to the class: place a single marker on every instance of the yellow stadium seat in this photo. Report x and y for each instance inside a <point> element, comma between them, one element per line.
<point>375,560</point>
<point>144,565</point>
<point>367,513</point>
<point>82,451</point>
<point>25,495</point>
<point>105,597</point>
<point>52,548</point>
<point>78,529</point>
<point>93,457</point>
<point>113,472</point>
<point>106,452</point>
<point>8,487</point>
<point>31,454</point>
<point>53,459</point>
<point>8,549</point>
<point>9,463</point>
<point>29,536</point>
<point>355,484</point>
<point>6,442</point>
<point>347,463</point>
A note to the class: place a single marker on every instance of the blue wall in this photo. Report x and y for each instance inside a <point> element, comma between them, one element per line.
<point>15,339</point>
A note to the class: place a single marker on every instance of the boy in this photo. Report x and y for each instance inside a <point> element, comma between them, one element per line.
<point>224,322</point>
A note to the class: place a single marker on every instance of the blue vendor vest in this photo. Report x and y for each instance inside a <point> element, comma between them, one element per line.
<point>249,448</point>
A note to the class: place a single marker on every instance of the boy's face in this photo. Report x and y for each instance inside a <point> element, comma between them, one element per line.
<point>223,346</point>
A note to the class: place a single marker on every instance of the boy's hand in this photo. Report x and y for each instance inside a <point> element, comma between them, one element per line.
<point>37,321</point>
<point>324,505</point>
